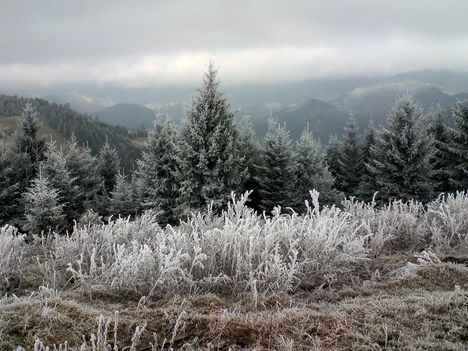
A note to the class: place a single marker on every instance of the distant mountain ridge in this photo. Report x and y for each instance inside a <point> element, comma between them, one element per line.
<point>323,103</point>
<point>126,114</point>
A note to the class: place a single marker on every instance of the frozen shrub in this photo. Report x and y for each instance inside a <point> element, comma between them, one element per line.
<point>397,226</point>
<point>91,246</point>
<point>448,217</point>
<point>89,217</point>
<point>238,250</point>
<point>12,249</point>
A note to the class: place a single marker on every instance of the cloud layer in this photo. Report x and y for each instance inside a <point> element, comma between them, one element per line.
<point>151,42</point>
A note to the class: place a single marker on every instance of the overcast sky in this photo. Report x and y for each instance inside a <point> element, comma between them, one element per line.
<point>137,43</point>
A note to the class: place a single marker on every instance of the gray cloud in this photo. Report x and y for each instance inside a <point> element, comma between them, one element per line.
<point>156,42</point>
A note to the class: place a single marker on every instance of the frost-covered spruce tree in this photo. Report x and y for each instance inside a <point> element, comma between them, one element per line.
<point>43,211</point>
<point>249,155</point>
<point>210,162</point>
<point>458,149</point>
<point>82,167</point>
<point>276,172</point>
<point>441,159</point>
<point>108,164</point>
<point>54,168</point>
<point>349,170</point>
<point>400,162</point>
<point>28,141</point>
<point>15,169</point>
<point>367,186</point>
<point>312,172</point>
<point>333,155</point>
<point>108,167</point>
<point>124,200</point>
<point>157,171</point>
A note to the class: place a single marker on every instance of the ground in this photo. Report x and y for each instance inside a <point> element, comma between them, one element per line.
<point>392,305</point>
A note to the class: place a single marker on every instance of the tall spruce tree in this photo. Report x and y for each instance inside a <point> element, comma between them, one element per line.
<point>29,141</point>
<point>82,167</point>
<point>276,172</point>
<point>367,186</point>
<point>54,168</point>
<point>458,148</point>
<point>157,171</point>
<point>210,162</point>
<point>400,162</point>
<point>249,157</point>
<point>441,160</point>
<point>312,172</point>
<point>108,164</point>
<point>349,170</point>
<point>333,155</point>
<point>43,212</point>
<point>108,167</point>
<point>15,169</point>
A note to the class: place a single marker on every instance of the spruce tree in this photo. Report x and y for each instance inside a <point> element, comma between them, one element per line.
<point>43,211</point>
<point>441,160</point>
<point>458,148</point>
<point>400,158</point>
<point>28,141</point>
<point>312,172</point>
<point>276,172</point>
<point>108,167</point>
<point>82,167</point>
<point>157,171</point>
<point>333,155</point>
<point>15,169</point>
<point>349,170</point>
<point>249,157</point>
<point>124,201</point>
<point>367,186</point>
<point>54,168</point>
<point>210,162</point>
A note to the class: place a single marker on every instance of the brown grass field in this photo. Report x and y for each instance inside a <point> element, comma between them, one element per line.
<point>392,305</point>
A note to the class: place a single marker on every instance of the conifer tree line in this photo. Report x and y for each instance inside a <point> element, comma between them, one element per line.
<point>184,170</point>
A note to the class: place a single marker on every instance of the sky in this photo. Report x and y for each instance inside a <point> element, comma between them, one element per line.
<point>160,42</point>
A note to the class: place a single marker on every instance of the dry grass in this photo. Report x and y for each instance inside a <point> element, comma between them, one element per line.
<point>410,307</point>
<point>13,124</point>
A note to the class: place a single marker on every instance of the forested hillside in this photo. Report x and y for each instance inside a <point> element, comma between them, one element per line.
<point>63,122</point>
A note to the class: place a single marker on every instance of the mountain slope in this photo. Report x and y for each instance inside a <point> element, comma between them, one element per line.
<point>323,118</point>
<point>65,122</point>
<point>129,115</point>
<point>375,101</point>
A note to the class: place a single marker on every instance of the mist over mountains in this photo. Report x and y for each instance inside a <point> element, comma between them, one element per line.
<point>322,103</point>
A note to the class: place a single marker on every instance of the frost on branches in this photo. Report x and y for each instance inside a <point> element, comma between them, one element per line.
<point>210,158</point>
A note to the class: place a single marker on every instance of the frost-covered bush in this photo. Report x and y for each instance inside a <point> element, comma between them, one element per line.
<point>448,218</point>
<point>12,250</point>
<point>397,226</point>
<point>237,250</point>
<point>91,250</point>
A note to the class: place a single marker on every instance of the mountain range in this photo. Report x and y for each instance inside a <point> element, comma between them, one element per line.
<point>323,104</point>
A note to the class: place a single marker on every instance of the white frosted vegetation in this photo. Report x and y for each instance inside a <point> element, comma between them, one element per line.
<point>235,251</point>
<point>12,251</point>
<point>242,251</point>
<point>448,217</point>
